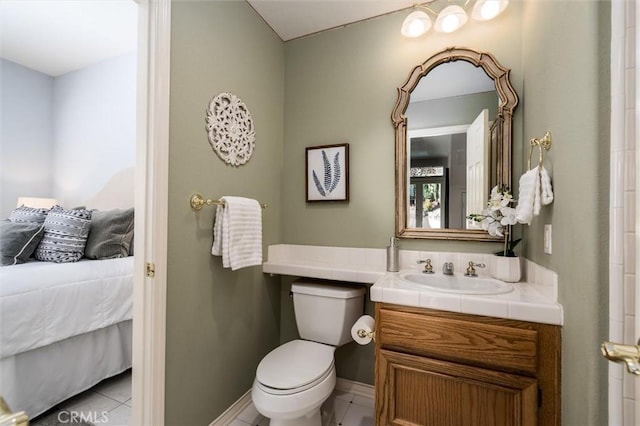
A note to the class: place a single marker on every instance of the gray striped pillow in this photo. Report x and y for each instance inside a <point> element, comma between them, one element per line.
<point>65,235</point>
<point>26,214</point>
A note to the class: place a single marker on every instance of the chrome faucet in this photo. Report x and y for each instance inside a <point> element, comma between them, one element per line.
<point>447,268</point>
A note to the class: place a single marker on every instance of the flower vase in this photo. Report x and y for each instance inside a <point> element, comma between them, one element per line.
<point>506,269</point>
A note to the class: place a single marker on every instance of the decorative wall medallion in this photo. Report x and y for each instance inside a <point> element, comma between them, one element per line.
<point>230,129</point>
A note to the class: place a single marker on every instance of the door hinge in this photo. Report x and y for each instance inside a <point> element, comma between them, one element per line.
<point>151,269</point>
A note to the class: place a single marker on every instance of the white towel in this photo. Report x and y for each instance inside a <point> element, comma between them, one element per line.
<point>546,191</point>
<point>237,233</point>
<point>528,193</point>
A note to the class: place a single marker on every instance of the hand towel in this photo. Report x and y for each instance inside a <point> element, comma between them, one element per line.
<point>546,191</point>
<point>527,194</point>
<point>237,233</point>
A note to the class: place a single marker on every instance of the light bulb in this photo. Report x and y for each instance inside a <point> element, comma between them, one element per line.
<point>485,10</point>
<point>450,23</point>
<point>450,19</point>
<point>416,24</point>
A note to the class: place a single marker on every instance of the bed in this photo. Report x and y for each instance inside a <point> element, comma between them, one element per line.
<point>64,327</point>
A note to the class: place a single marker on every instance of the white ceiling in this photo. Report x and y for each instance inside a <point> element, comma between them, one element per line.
<point>296,18</point>
<point>59,36</point>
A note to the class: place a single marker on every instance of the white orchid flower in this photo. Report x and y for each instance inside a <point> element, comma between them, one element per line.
<point>495,200</point>
<point>508,216</point>
<point>495,229</point>
<point>498,215</point>
<point>499,199</point>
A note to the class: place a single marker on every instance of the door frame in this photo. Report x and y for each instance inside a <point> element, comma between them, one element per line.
<point>620,409</point>
<point>151,207</point>
<point>636,117</point>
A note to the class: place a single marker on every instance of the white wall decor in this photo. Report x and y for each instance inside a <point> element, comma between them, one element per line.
<point>230,129</point>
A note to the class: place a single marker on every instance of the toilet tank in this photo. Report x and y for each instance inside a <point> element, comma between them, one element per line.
<point>326,312</point>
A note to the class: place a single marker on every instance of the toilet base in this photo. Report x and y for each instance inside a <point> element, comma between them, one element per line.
<point>314,419</point>
<point>297,409</point>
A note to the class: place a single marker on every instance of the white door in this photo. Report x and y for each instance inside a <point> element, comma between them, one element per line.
<point>477,165</point>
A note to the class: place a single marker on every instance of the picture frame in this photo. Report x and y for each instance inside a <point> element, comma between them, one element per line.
<point>327,173</point>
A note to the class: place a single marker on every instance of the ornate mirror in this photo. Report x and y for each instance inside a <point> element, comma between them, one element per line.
<point>453,125</point>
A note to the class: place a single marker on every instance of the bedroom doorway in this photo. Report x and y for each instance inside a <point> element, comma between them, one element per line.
<point>149,104</point>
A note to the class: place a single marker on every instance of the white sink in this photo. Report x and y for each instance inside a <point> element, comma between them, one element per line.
<point>457,283</point>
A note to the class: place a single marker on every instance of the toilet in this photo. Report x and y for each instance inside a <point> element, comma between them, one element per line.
<point>293,380</point>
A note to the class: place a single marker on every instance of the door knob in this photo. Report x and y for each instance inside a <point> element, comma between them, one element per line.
<point>627,354</point>
<point>7,418</point>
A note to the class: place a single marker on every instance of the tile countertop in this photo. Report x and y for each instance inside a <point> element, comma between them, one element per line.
<point>534,300</point>
<point>524,303</point>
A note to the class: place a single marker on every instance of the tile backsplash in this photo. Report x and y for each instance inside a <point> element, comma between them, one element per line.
<point>371,262</point>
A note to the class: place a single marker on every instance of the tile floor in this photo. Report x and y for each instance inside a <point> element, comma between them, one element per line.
<point>107,403</point>
<point>113,396</point>
<point>341,409</point>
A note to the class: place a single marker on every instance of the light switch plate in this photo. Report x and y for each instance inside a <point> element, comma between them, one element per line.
<point>547,239</point>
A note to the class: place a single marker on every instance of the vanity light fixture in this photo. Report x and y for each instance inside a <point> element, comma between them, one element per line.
<point>485,10</point>
<point>451,17</point>
<point>416,24</point>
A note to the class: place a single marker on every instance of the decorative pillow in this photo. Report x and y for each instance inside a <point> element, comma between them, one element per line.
<point>28,215</point>
<point>111,234</point>
<point>18,241</point>
<point>65,235</point>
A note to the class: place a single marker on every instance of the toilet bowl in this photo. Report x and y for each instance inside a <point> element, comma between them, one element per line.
<point>295,379</point>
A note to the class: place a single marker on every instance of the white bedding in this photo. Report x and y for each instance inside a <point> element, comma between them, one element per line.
<point>37,380</point>
<point>44,302</point>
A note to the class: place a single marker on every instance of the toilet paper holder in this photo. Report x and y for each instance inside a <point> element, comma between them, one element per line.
<point>362,333</point>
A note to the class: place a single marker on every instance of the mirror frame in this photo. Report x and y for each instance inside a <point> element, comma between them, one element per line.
<point>508,102</point>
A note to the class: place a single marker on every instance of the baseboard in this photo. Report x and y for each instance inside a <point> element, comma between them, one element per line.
<point>356,388</point>
<point>234,411</point>
<point>343,385</point>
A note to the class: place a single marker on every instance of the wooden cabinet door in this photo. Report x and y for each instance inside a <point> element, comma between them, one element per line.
<point>413,390</point>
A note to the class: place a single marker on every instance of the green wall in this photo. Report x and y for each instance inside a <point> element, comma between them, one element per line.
<point>566,91</point>
<point>219,323</point>
<point>340,86</point>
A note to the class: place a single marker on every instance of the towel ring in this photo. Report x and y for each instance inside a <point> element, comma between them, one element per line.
<point>542,143</point>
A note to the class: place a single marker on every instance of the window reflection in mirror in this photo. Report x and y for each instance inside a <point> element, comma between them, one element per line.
<point>448,145</point>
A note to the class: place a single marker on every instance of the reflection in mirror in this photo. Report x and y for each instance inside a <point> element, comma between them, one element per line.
<point>453,143</point>
<point>449,167</point>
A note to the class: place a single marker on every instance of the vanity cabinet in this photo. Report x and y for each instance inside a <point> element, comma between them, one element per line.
<point>449,369</point>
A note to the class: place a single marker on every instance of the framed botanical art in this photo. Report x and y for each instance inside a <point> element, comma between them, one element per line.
<point>327,173</point>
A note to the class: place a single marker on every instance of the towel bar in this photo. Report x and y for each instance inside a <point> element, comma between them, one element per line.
<point>197,202</point>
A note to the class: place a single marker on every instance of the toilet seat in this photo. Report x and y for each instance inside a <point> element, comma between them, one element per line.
<point>295,366</point>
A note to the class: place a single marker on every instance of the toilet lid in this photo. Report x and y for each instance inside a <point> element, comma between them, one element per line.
<point>295,364</point>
